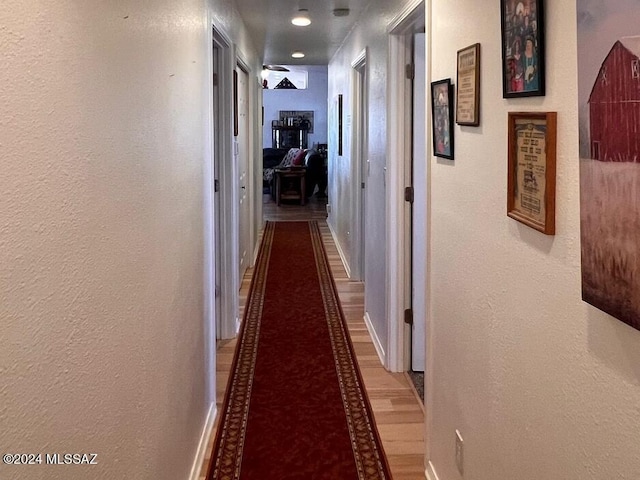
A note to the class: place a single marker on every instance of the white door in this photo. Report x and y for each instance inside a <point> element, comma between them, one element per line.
<point>217,155</point>
<point>419,221</point>
<point>242,160</point>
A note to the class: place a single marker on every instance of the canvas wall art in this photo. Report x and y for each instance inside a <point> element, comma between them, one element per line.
<point>609,108</point>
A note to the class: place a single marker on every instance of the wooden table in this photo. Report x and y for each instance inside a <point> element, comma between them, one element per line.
<point>291,184</point>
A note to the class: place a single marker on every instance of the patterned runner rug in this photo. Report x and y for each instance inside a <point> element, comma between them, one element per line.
<point>295,406</point>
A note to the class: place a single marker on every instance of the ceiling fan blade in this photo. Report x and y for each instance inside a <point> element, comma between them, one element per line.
<point>275,68</point>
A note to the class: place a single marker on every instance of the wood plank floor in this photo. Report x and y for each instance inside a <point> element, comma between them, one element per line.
<point>398,412</point>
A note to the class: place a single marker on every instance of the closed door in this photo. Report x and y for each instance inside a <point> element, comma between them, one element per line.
<point>242,160</point>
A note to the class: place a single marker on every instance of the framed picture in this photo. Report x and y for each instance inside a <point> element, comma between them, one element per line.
<point>340,124</point>
<point>522,23</point>
<point>442,121</point>
<point>608,102</point>
<point>297,118</point>
<point>468,86</point>
<point>531,186</point>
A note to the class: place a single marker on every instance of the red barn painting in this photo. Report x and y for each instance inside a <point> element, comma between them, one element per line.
<point>614,105</point>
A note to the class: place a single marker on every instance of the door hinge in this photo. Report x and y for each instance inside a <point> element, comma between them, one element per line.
<point>216,185</point>
<point>408,316</point>
<point>362,185</point>
<point>215,79</point>
<point>410,71</point>
<point>408,194</point>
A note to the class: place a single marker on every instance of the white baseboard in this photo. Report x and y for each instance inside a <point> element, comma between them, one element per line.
<point>375,339</point>
<point>430,472</point>
<point>340,252</point>
<point>204,441</point>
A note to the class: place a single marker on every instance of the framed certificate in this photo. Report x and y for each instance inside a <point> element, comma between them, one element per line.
<point>468,86</point>
<point>531,185</point>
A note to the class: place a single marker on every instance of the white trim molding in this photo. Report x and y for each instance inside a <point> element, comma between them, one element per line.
<point>407,15</point>
<point>430,472</point>
<point>343,258</point>
<point>207,430</point>
<point>395,204</point>
<point>374,338</point>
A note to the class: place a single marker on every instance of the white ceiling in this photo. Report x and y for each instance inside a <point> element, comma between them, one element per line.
<point>275,38</point>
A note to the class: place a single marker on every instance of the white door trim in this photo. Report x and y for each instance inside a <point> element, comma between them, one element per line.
<point>397,145</point>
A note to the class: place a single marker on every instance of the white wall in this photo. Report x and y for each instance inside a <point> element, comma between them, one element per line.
<point>312,98</point>
<point>104,137</point>
<point>370,32</point>
<point>540,384</point>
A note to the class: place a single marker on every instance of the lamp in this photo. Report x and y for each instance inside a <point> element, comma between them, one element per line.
<point>297,55</point>
<point>302,18</point>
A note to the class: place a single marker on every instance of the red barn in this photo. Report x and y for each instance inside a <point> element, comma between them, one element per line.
<point>614,105</point>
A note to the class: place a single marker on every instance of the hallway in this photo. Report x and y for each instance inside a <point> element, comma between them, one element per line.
<point>398,412</point>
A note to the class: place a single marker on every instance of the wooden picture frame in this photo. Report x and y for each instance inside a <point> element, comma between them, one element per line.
<point>442,118</point>
<point>523,58</point>
<point>340,124</point>
<point>468,86</point>
<point>531,185</point>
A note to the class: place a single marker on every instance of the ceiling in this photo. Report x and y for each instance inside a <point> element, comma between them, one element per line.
<point>275,38</point>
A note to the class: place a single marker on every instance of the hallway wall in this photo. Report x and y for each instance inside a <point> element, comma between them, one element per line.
<point>540,384</point>
<point>104,133</point>
<point>369,32</point>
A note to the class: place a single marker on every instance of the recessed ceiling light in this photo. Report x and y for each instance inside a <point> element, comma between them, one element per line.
<point>302,18</point>
<point>297,55</point>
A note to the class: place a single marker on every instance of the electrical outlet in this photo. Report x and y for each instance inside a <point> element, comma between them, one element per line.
<point>459,452</point>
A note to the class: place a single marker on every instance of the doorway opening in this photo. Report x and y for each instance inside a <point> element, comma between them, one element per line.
<point>360,164</point>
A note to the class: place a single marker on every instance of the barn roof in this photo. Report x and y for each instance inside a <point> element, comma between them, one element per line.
<point>632,44</point>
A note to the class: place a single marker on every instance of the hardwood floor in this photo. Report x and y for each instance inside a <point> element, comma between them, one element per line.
<point>398,413</point>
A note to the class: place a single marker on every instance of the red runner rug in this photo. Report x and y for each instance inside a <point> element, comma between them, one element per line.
<point>295,406</point>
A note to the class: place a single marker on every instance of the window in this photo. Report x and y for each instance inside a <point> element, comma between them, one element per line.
<point>603,76</point>
<point>635,68</point>
<point>292,79</point>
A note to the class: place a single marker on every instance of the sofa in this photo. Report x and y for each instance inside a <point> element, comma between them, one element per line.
<point>316,174</point>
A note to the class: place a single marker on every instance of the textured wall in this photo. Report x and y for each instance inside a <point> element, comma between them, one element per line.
<point>313,98</point>
<point>540,384</point>
<point>370,32</point>
<point>102,139</point>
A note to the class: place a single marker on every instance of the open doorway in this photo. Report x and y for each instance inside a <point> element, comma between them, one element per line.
<point>360,164</point>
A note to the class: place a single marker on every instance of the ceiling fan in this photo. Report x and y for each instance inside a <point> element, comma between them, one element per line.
<point>275,68</point>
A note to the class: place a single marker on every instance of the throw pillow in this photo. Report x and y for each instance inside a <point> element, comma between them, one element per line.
<point>299,160</point>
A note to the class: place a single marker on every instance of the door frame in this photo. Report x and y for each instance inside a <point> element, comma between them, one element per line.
<point>359,94</point>
<point>250,180</point>
<point>399,147</point>
<point>227,252</point>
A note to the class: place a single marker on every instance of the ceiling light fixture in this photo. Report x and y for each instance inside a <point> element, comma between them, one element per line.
<point>297,55</point>
<point>302,18</point>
